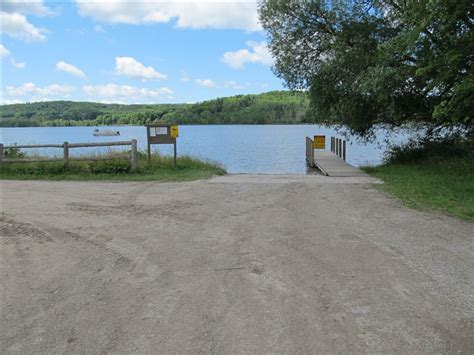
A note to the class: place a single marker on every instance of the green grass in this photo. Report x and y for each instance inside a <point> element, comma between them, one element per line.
<point>160,169</point>
<point>440,183</point>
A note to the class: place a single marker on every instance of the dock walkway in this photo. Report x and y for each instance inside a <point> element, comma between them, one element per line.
<point>331,165</point>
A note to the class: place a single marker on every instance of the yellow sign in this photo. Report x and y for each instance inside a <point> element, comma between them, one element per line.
<point>319,142</point>
<point>174,132</point>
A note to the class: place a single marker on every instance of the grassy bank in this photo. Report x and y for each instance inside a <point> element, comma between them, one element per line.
<point>433,177</point>
<point>160,169</point>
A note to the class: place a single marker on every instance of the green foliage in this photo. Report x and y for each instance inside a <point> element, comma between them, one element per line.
<point>444,148</point>
<point>271,107</point>
<point>161,169</point>
<point>437,175</point>
<point>13,153</point>
<point>377,61</point>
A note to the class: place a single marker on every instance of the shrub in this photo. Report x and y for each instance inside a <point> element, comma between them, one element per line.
<point>431,148</point>
<point>14,153</point>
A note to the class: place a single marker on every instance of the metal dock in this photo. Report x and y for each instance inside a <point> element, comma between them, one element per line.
<point>331,163</point>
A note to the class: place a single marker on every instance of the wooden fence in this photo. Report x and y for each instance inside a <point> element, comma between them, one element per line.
<point>338,147</point>
<point>66,146</point>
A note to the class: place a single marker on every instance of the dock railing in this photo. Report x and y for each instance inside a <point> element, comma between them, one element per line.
<point>67,146</point>
<point>310,152</point>
<point>338,147</point>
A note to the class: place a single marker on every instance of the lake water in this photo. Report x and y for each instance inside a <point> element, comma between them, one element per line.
<point>271,149</point>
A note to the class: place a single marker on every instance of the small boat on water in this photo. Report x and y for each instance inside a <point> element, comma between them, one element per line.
<point>105,133</point>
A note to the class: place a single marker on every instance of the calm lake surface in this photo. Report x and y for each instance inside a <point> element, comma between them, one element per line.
<point>271,149</point>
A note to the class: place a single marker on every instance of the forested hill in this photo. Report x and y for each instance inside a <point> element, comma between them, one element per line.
<point>271,107</point>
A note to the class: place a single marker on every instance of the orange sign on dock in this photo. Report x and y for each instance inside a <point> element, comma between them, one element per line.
<point>319,142</point>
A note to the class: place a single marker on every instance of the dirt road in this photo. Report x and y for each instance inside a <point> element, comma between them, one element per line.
<point>234,264</point>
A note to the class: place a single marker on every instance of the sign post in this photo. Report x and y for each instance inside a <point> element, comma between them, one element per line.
<point>319,142</point>
<point>161,134</point>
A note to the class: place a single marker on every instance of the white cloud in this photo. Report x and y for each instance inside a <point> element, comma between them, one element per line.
<point>258,53</point>
<point>233,85</point>
<point>207,83</point>
<point>71,69</point>
<point>33,7</point>
<point>99,28</point>
<point>184,76</point>
<point>16,25</point>
<point>18,65</point>
<point>220,14</point>
<point>130,67</point>
<point>4,101</point>
<point>31,92</point>
<point>125,93</point>
<point>3,51</point>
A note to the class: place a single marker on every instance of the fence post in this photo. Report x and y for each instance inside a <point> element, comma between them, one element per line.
<point>175,154</point>
<point>307,151</point>
<point>133,155</point>
<point>148,146</point>
<point>66,151</point>
<point>337,146</point>
<point>344,150</point>
<point>1,153</point>
<point>340,148</point>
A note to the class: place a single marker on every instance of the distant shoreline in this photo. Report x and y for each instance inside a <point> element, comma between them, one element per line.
<point>276,107</point>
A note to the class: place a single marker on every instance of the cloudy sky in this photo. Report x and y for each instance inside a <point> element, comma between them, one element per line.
<point>132,51</point>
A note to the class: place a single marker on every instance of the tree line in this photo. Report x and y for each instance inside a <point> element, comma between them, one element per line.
<point>272,107</point>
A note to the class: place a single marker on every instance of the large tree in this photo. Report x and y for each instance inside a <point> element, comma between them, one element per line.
<point>370,62</point>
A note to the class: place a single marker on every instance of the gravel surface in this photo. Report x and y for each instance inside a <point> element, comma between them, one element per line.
<point>240,263</point>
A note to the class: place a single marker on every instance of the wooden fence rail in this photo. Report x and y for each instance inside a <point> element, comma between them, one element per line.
<point>66,146</point>
<point>338,147</point>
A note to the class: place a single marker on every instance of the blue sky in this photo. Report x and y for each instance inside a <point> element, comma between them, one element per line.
<point>132,52</point>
